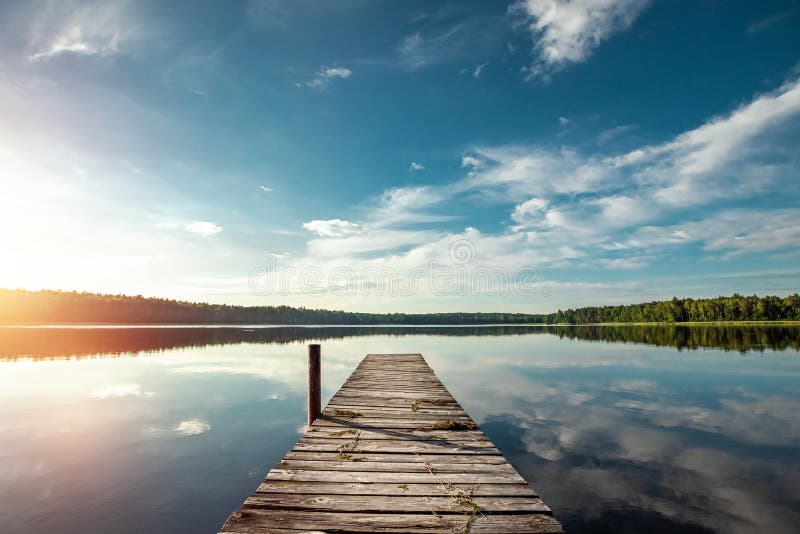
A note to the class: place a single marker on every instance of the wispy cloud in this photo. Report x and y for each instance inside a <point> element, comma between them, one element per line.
<point>568,31</point>
<point>476,73</point>
<point>768,22</point>
<point>416,166</point>
<point>693,167</point>
<point>95,28</point>
<point>265,189</point>
<point>471,162</point>
<point>202,228</point>
<point>603,212</point>
<point>326,75</point>
<point>612,133</point>
<point>332,227</point>
<point>419,50</point>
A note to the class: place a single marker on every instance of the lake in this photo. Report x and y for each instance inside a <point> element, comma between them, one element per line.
<point>623,429</point>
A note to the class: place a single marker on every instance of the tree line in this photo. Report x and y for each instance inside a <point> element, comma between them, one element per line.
<point>733,308</point>
<point>21,306</point>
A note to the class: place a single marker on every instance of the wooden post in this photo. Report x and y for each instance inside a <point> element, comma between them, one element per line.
<point>314,393</point>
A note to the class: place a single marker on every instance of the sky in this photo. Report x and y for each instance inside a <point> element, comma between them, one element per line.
<point>401,156</point>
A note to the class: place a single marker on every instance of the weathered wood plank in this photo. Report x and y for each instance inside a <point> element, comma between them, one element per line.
<point>422,447</point>
<point>377,504</point>
<point>380,433</point>
<point>439,467</point>
<point>408,413</point>
<point>373,488</point>
<point>389,477</point>
<point>386,424</point>
<point>461,459</point>
<point>258,521</point>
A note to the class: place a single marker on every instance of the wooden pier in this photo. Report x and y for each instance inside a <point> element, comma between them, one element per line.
<point>393,452</point>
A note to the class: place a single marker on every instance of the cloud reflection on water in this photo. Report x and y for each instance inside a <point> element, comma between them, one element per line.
<point>627,436</point>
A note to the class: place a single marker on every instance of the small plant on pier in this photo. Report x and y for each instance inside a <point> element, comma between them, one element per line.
<point>461,497</point>
<point>455,425</point>
<point>342,433</point>
<point>338,412</point>
<point>345,450</point>
<point>419,402</point>
<point>450,425</point>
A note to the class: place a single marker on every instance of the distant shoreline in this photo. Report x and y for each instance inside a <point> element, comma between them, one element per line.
<point>46,307</point>
<point>387,325</point>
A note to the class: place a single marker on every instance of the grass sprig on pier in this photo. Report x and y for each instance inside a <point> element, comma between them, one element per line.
<point>338,412</point>
<point>345,450</point>
<point>461,497</point>
<point>419,402</point>
<point>450,425</point>
<point>341,433</point>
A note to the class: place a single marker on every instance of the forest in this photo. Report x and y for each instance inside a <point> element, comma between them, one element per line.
<point>733,308</point>
<point>19,306</point>
<point>24,307</point>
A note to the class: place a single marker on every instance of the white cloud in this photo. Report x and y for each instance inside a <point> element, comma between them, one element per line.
<point>476,73</point>
<point>471,161</point>
<point>719,159</point>
<point>192,427</point>
<point>416,50</point>
<point>569,209</point>
<point>730,232</point>
<point>95,28</point>
<point>521,172</point>
<point>335,72</point>
<point>568,31</point>
<point>563,121</point>
<point>636,262</point>
<point>202,228</point>
<point>407,204</point>
<point>768,22</point>
<point>332,227</point>
<point>326,75</point>
<point>533,208</point>
<point>416,166</point>
<point>347,247</point>
<point>265,188</point>
<point>612,133</point>
<point>698,165</point>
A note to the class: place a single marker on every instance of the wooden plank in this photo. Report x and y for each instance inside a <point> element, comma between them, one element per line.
<point>390,477</point>
<point>378,504</point>
<point>380,433</point>
<point>374,462</point>
<point>401,415</point>
<point>422,447</point>
<point>386,424</point>
<point>373,488</point>
<point>402,394</point>
<point>259,521</point>
<point>365,445</point>
<point>440,467</point>
<point>460,459</point>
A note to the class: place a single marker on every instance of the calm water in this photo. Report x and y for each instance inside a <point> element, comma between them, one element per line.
<point>626,429</point>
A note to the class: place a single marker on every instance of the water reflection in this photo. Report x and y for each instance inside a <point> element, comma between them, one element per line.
<point>625,435</point>
<point>68,342</point>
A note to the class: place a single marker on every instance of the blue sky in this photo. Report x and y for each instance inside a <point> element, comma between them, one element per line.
<point>607,151</point>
